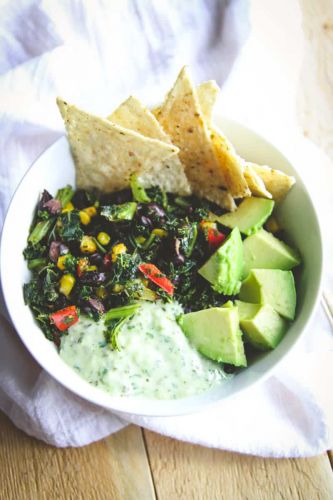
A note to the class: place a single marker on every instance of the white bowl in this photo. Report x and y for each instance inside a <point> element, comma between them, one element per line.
<point>54,169</point>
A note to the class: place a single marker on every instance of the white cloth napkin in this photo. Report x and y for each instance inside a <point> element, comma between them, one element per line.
<point>95,54</point>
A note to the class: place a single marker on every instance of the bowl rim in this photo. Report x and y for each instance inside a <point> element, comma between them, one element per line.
<point>162,408</point>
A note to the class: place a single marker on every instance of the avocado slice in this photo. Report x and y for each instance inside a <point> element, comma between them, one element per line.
<point>262,250</point>
<point>224,269</point>
<point>262,325</point>
<point>273,287</point>
<point>249,216</point>
<point>216,334</point>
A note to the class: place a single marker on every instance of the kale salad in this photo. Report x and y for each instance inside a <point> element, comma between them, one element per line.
<point>90,253</point>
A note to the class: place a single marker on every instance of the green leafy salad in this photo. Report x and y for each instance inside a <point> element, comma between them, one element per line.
<point>96,253</point>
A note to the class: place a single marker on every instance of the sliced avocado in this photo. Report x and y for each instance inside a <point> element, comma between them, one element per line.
<point>262,250</point>
<point>246,310</point>
<point>249,216</point>
<point>262,325</point>
<point>273,287</point>
<point>224,269</point>
<point>215,333</point>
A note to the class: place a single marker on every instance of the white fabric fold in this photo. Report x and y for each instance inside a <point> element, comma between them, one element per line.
<point>96,54</point>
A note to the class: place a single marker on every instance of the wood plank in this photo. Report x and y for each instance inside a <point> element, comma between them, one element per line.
<point>186,471</point>
<point>315,102</point>
<point>114,468</point>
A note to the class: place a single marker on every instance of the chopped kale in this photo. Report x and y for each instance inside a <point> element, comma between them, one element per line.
<point>154,227</point>
<point>70,226</point>
<point>35,251</point>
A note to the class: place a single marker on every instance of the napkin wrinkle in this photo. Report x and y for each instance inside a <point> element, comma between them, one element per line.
<point>26,32</point>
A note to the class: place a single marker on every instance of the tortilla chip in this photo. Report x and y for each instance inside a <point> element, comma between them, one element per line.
<point>105,155</point>
<point>255,182</point>
<point>231,164</point>
<point>207,93</point>
<point>170,174</point>
<point>182,119</point>
<point>278,183</point>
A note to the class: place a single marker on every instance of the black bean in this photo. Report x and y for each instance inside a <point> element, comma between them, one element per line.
<point>52,206</point>
<point>63,249</point>
<point>96,259</point>
<point>97,305</point>
<point>45,197</point>
<point>54,250</point>
<point>154,210</point>
<point>93,278</point>
<point>145,221</point>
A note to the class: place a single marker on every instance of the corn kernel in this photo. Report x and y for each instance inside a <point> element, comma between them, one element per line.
<point>84,217</point>
<point>140,240</point>
<point>91,211</point>
<point>118,288</point>
<point>67,281</point>
<point>88,245</point>
<point>117,250</point>
<point>68,207</point>
<point>101,292</point>
<point>103,238</point>
<point>61,262</point>
<point>161,233</point>
<point>91,268</point>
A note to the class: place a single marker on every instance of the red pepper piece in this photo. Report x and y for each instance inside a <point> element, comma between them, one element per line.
<point>64,318</point>
<point>154,274</point>
<point>81,266</point>
<point>107,261</point>
<point>214,237</point>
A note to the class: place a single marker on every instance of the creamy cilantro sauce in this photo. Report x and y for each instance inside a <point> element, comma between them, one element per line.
<point>155,358</point>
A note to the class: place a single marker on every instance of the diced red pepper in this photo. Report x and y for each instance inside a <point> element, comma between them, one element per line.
<point>215,238</point>
<point>107,260</point>
<point>154,274</point>
<point>81,266</point>
<point>64,318</point>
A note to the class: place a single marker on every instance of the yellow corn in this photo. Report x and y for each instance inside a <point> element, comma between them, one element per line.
<point>117,250</point>
<point>160,232</point>
<point>140,240</point>
<point>101,292</point>
<point>91,211</point>
<point>67,281</point>
<point>68,207</point>
<point>84,218</point>
<point>118,288</point>
<point>91,268</point>
<point>88,245</point>
<point>103,238</point>
<point>61,262</point>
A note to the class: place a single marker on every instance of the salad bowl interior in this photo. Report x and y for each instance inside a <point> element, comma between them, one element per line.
<point>54,169</point>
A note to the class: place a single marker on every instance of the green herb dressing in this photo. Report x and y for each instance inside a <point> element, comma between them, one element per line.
<point>155,359</point>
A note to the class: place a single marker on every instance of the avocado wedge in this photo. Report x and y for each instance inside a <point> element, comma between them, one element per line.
<point>224,269</point>
<point>216,334</point>
<point>249,216</point>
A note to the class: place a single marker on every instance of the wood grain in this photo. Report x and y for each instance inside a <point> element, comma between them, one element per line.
<point>115,468</point>
<point>315,103</point>
<point>185,471</point>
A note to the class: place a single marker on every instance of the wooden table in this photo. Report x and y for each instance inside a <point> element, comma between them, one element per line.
<point>139,465</point>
